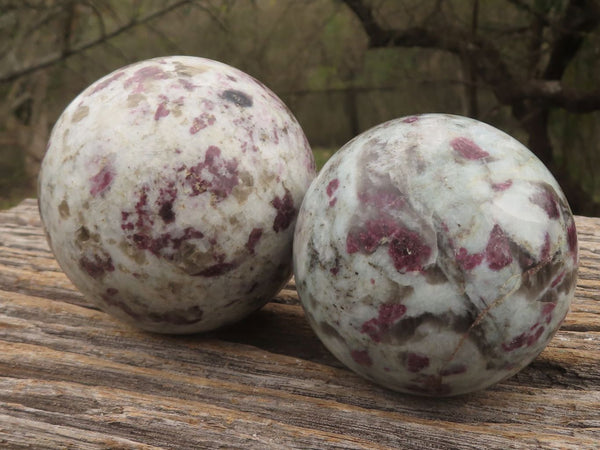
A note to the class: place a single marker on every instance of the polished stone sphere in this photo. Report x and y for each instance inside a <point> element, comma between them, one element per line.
<point>169,193</point>
<point>435,255</point>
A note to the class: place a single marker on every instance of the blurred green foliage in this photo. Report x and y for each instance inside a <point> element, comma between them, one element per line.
<point>13,176</point>
<point>322,155</point>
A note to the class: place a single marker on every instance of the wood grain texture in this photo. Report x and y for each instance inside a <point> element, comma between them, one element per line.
<point>73,377</point>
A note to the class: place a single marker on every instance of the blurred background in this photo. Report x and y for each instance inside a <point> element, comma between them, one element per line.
<point>528,67</point>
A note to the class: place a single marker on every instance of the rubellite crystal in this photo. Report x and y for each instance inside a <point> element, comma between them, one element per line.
<point>169,193</point>
<point>435,255</point>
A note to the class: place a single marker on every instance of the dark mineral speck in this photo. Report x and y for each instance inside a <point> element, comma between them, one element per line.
<point>498,187</point>
<point>497,251</point>
<point>572,238</point>
<point>216,269</point>
<point>202,121</point>
<point>253,239</point>
<point>381,325</point>
<point>63,209</point>
<point>237,97</point>
<point>215,174</point>
<point>166,212</point>
<point>286,211</point>
<point>416,362</point>
<point>187,316</point>
<point>97,265</point>
<point>103,84</point>
<point>468,261</point>
<point>361,357</point>
<point>546,199</point>
<point>102,180</point>
<point>406,248</point>
<point>332,186</point>
<point>455,369</point>
<point>144,74</point>
<point>161,110</point>
<point>468,149</point>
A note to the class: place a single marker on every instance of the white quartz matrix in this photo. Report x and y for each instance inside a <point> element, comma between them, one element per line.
<point>169,193</point>
<point>435,255</point>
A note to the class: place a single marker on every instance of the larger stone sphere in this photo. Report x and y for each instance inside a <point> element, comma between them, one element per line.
<point>435,255</point>
<point>169,193</point>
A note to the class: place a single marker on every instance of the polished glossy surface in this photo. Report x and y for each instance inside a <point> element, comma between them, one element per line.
<point>435,255</point>
<point>169,193</point>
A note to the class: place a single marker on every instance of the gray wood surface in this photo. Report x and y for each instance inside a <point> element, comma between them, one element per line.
<point>73,377</point>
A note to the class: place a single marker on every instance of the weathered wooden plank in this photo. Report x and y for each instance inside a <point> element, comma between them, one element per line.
<point>218,358</point>
<point>71,375</point>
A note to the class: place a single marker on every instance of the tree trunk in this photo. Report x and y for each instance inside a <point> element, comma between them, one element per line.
<point>351,107</point>
<point>534,120</point>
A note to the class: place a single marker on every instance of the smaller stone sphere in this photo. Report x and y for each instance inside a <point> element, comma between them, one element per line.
<point>169,193</point>
<point>435,255</point>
